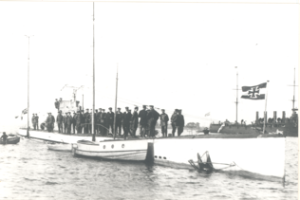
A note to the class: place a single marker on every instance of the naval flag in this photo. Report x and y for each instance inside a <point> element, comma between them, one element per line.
<point>207,114</point>
<point>253,92</point>
<point>24,111</point>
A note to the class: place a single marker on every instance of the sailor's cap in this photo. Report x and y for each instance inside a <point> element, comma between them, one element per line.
<point>136,107</point>
<point>110,108</point>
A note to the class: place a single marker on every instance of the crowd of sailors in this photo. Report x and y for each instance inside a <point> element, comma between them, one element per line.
<point>126,123</point>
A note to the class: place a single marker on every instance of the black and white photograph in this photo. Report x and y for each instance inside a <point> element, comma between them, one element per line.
<point>149,99</point>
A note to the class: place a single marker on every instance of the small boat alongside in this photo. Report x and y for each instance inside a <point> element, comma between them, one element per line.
<point>125,150</point>
<point>12,139</point>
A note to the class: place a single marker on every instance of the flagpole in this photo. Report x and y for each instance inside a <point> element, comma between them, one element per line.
<point>93,111</point>
<point>28,76</point>
<point>116,100</point>
<point>237,94</point>
<point>265,116</point>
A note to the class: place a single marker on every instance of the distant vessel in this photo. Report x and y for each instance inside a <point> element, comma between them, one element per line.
<point>284,126</point>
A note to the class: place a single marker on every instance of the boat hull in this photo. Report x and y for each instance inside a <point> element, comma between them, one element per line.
<point>58,137</point>
<point>253,157</point>
<point>127,150</point>
<point>287,129</point>
<point>11,140</point>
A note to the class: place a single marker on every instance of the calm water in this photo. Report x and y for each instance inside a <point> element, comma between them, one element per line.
<point>30,171</point>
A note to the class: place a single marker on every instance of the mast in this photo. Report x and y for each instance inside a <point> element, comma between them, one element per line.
<point>28,87</point>
<point>294,91</point>
<point>93,111</point>
<point>237,94</point>
<point>116,100</point>
<point>294,86</point>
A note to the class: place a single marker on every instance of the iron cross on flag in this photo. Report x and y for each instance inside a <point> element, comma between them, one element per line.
<point>252,92</point>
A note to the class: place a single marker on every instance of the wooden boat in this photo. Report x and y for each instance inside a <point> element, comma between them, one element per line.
<point>11,140</point>
<point>60,147</point>
<point>129,150</point>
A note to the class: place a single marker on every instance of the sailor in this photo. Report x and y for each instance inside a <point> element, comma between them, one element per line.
<point>59,121</point>
<point>173,122</point>
<point>53,119</point>
<point>65,122</point>
<point>74,122</point>
<point>4,138</point>
<point>78,120</point>
<point>179,122</point>
<point>96,116</point>
<point>82,121</point>
<point>87,121</point>
<point>134,121</point>
<point>33,121</point>
<point>56,104</point>
<point>126,122</point>
<point>119,119</point>
<point>37,121</point>
<point>69,122</point>
<point>100,121</point>
<point>164,118</point>
<point>50,122</point>
<point>105,122</point>
<point>152,118</point>
<point>110,119</point>
<point>143,121</point>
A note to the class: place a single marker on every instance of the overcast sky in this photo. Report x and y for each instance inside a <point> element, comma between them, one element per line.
<point>169,55</point>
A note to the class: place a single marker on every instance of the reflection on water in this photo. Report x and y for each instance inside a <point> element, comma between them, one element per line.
<point>30,171</point>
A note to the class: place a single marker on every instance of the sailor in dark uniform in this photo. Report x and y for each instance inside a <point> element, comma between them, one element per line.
<point>143,121</point>
<point>74,122</point>
<point>33,121</point>
<point>152,119</point>
<point>173,122</point>
<point>164,118</point>
<point>78,121</point>
<point>59,121</point>
<point>56,104</point>
<point>50,122</point>
<point>105,122</point>
<point>37,121</point>
<point>82,121</point>
<point>4,138</point>
<point>180,122</point>
<point>119,119</point>
<point>126,122</point>
<point>65,122</point>
<point>101,121</point>
<point>87,121</point>
<point>134,121</point>
<point>110,119</point>
<point>69,122</point>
